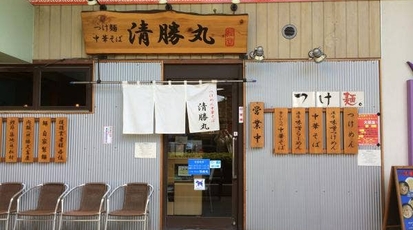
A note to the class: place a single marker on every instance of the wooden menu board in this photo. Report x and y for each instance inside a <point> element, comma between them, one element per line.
<point>350,130</point>
<point>60,153</point>
<point>44,139</point>
<point>333,130</point>
<point>12,137</point>
<point>27,143</point>
<point>280,131</point>
<point>399,201</point>
<point>298,131</point>
<point>257,124</point>
<point>315,130</point>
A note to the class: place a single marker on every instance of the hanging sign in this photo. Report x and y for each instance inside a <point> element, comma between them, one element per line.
<point>280,131</point>
<point>350,130</point>
<point>165,32</point>
<point>257,124</point>
<point>315,130</point>
<point>60,153</point>
<point>12,139</point>
<point>333,130</point>
<point>298,131</point>
<point>27,144</point>
<point>44,139</point>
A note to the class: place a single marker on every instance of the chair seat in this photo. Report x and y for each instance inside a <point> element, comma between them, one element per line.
<point>126,213</point>
<point>3,212</point>
<point>36,213</point>
<point>81,213</point>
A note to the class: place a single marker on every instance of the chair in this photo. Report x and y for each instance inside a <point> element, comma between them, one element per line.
<point>130,206</point>
<point>84,203</point>
<point>8,195</point>
<point>40,203</point>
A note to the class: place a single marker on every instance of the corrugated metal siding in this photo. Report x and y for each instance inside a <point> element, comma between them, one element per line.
<point>89,159</point>
<point>312,192</point>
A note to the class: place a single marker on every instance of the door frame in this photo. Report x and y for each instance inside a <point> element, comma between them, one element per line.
<point>238,183</point>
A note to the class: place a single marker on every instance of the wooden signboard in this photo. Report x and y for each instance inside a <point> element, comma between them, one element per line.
<point>27,144</point>
<point>298,131</point>
<point>315,130</point>
<point>350,130</point>
<point>44,139</point>
<point>164,32</point>
<point>333,131</point>
<point>12,137</point>
<point>60,153</point>
<point>399,202</point>
<point>257,124</point>
<point>280,131</point>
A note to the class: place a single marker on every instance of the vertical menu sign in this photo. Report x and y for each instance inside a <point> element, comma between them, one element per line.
<point>60,154</point>
<point>12,137</point>
<point>28,139</point>
<point>44,139</point>
<point>257,124</point>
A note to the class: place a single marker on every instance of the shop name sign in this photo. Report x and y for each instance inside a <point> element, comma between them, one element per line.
<point>163,32</point>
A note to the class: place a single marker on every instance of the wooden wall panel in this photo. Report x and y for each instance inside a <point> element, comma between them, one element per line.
<point>305,29</point>
<point>329,29</point>
<point>55,32</point>
<point>340,29</point>
<point>251,10</point>
<point>318,26</point>
<point>262,31</point>
<point>363,26</point>
<point>375,29</point>
<point>44,33</point>
<point>283,19</point>
<point>77,45</point>
<point>351,30</point>
<point>343,29</point>
<point>66,32</point>
<point>295,19</point>
<point>272,19</point>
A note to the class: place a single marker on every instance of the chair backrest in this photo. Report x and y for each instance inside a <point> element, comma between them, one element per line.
<point>135,196</point>
<point>49,196</point>
<point>92,195</point>
<point>7,191</point>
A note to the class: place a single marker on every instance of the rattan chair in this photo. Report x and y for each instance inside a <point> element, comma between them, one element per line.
<point>8,200</point>
<point>40,203</point>
<point>130,206</point>
<point>84,203</point>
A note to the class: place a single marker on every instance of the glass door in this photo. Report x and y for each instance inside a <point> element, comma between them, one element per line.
<point>208,198</point>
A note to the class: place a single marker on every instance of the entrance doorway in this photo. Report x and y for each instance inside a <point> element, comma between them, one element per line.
<point>218,204</point>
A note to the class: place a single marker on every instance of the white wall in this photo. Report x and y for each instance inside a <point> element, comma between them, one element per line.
<point>16,29</point>
<point>397,48</point>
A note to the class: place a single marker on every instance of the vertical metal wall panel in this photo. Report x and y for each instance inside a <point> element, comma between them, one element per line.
<point>313,192</point>
<point>89,159</point>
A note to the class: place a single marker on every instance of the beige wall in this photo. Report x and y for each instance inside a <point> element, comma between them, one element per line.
<point>16,26</point>
<point>343,29</point>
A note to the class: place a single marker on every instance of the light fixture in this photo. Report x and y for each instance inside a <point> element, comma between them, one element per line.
<point>257,53</point>
<point>163,1</point>
<point>235,1</point>
<point>317,55</point>
<point>94,2</point>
